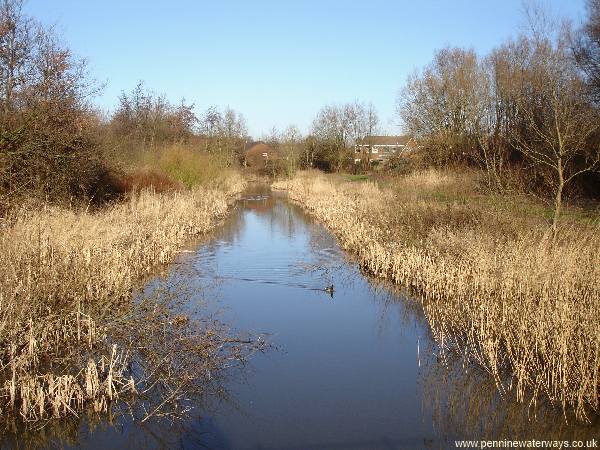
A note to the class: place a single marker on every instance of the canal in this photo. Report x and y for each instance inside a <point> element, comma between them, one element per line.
<point>351,367</point>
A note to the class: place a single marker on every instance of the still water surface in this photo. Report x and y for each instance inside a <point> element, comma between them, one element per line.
<point>356,370</point>
<point>346,372</point>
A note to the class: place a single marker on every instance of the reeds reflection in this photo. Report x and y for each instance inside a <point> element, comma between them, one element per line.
<point>465,403</point>
<point>356,370</point>
<point>180,357</point>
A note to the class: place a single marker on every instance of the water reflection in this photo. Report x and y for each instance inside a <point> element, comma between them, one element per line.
<point>354,371</point>
<point>466,402</point>
<point>180,356</point>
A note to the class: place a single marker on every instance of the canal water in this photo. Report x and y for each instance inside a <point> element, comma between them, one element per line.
<point>345,370</point>
<point>350,369</point>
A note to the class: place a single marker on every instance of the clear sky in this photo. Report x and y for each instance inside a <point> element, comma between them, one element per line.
<point>277,62</point>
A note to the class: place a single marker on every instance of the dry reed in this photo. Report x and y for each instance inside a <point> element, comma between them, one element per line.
<point>67,275</point>
<point>493,286</point>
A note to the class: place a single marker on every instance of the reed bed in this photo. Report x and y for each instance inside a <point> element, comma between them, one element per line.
<point>66,283</point>
<point>493,285</point>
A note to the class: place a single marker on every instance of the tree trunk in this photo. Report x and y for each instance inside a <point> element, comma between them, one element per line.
<point>10,75</point>
<point>558,200</point>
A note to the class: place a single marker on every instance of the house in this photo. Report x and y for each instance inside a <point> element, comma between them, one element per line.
<point>259,153</point>
<point>377,149</point>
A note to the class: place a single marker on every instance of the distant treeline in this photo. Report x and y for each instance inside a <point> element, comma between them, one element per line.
<point>330,144</point>
<point>528,113</point>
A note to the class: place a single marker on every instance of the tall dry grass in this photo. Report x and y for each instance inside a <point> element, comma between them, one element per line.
<point>182,163</point>
<point>66,282</point>
<point>493,285</point>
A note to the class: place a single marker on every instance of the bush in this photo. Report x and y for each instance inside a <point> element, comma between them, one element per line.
<point>47,147</point>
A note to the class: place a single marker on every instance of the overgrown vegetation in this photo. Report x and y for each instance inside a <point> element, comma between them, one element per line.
<point>47,146</point>
<point>89,206</point>
<point>493,285</point>
<point>529,103</point>
<point>69,332</point>
<point>56,147</point>
<point>149,141</point>
<point>527,114</point>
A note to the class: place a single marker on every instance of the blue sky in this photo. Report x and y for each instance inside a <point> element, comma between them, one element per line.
<point>277,62</point>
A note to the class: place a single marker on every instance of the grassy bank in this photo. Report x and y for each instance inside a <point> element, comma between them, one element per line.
<point>68,329</point>
<point>493,285</point>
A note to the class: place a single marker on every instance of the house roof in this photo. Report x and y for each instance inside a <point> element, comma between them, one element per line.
<point>258,148</point>
<point>384,140</point>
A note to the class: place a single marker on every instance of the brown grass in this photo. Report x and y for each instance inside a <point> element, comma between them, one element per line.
<point>179,165</point>
<point>66,281</point>
<point>493,286</point>
<point>145,178</point>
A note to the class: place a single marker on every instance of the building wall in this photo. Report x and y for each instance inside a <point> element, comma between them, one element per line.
<point>376,152</point>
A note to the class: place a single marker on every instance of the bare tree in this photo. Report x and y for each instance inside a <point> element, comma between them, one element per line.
<point>558,122</point>
<point>308,152</point>
<point>147,118</point>
<point>331,130</point>
<point>211,121</point>
<point>528,101</point>
<point>441,106</point>
<point>291,148</point>
<point>233,124</point>
<point>225,133</point>
<point>586,48</point>
<point>17,34</point>
<point>338,128</point>
<point>494,114</point>
<point>46,143</point>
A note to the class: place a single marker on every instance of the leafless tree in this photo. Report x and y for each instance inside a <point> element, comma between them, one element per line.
<point>338,128</point>
<point>526,101</point>
<point>442,105</point>
<point>147,118</point>
<point>558,121</point>
<point>45,143</point>
<point>291,149</point>
<point>211,121</point>
<point>586,48</point>
<point>17,34</point>
<point>225,133</point>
